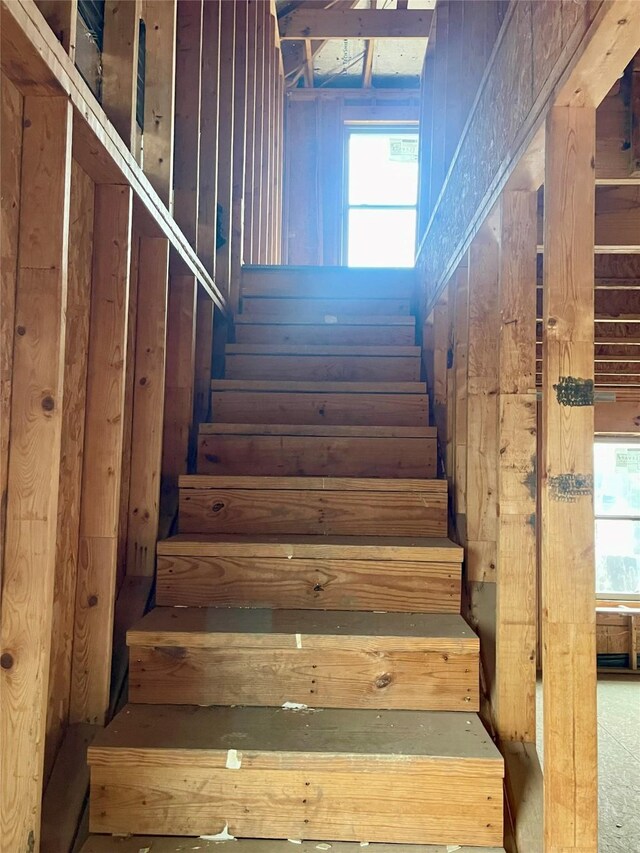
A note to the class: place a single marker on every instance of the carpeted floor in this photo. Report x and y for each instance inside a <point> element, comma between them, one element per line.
<point>618,762</point>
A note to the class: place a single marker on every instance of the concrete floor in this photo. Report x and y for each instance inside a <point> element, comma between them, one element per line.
<point>618,762</point>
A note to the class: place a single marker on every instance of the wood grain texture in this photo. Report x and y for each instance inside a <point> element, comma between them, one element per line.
<point>11,104</point>
<point>285,455</point>
<point>101,475</point>
<point>332,368</point>
<point>326,282</point>
<point>159,94</point>
<point>120,66</point>
<point>73,417</point>
<point>567,537</point>
<point>327,334</point>
<point>34,464</point>
<point>303,511</point>
<point>225,139</point>
<point>312,582</point>
<point>319,407</point>
<point>209,123</point>
<point>295,308</point>
<point>327,659</point>
<point>148,406</point>
<point>514,703</point>
<point>280,751</point>
<point>482,407</point>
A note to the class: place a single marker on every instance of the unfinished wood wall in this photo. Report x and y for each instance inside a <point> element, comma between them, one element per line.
<point>315,162</point>
<point>538,303</point>
<point>108,313</point>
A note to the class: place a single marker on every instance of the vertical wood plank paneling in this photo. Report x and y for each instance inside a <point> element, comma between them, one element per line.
<point>568,563</point>
<point>209,109</point>
<point>259,125</point>
<point>203,359</point>
<point>11,106</point>
<point>101,475</point>
<point>120,66</point>
<point>265,167</point>
<point>34,465</point>
<point>439,391</point>
<point>461,337</point>
<point>159,94</point>
<point>515,698</point>
<point>178,409</point>
<point>250,134</point>
<point>62,17</point>
<point>73,414</point>
<point>482,408</point>
<point>225,139</point>
<point>238,151</point>
<point>187,118</point>
<point>148,405</point>
<point>127,417</point>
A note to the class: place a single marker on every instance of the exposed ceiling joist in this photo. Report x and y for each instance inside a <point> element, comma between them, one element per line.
<point>356,23</point>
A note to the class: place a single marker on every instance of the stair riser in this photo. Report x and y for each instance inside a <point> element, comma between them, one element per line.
<point>267,511</point>
<point>316,456</point>
<point>319,282</point>
<point>397,800</point>
<point>326,334</point>
<point>311,584</point>
<point>295,308</point>
<point>443,679</point>
<point>319,368</point>
<point>319,409</point>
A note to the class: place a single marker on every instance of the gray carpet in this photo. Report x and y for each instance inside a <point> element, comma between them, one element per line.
<point>618,762</point>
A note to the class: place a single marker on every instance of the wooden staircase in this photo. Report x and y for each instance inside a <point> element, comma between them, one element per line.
<point>306,673</point>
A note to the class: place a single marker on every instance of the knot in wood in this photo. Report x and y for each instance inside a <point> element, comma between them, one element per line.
<point>384,680</point>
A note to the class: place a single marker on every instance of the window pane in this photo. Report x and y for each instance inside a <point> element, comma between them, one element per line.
<point>381,238</point>
<point>617,478</point>
<point>383,168</point>
<point>617,556</point>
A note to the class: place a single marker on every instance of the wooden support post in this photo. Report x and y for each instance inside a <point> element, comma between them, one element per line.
<point>225,139</point>
<point>461,340</point>
<point>159,94</point>
<point>482,442</point>
<point>635,117</point>
<point>62,17</point>
<point>120,66</point>
<point>209,95</point>
<point>73,416</point>
<point>515,688</point>
<point>265,220</point>
<point>259,129</point>
<point>34,464</point>
<point>567,531</point>
<point>439,390</point>
<point>203,359</point>
<point>148,406</point>
<point>187,118</point>
<point>103,444</point>
<point>238,152</point>
<point>10,163</point>
<point>178,409</point>
<point>250,135</point>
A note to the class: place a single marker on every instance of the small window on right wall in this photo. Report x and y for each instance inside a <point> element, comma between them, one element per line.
<point>617,512</point>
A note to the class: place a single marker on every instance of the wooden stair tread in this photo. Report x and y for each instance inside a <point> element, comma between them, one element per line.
<point>209,627</point>
<point>323,547</point>
<point>327,349</point>
<point>186,844</point>
<point>314,387</point>
<point>274,732</point>
<point>327,320</point>
<point>321,281</point>
<point>314,430</point>
<point>326,484</point>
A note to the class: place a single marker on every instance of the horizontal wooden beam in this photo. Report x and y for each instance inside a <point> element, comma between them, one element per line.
<point>356,23</point>
<point>36,63</point>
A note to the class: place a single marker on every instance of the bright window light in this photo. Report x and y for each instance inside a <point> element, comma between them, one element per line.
<point>382,189</point>
<point>617,510</point>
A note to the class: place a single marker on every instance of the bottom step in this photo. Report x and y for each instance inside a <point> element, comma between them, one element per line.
<point>359,775</point>
<point>171,844</point>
